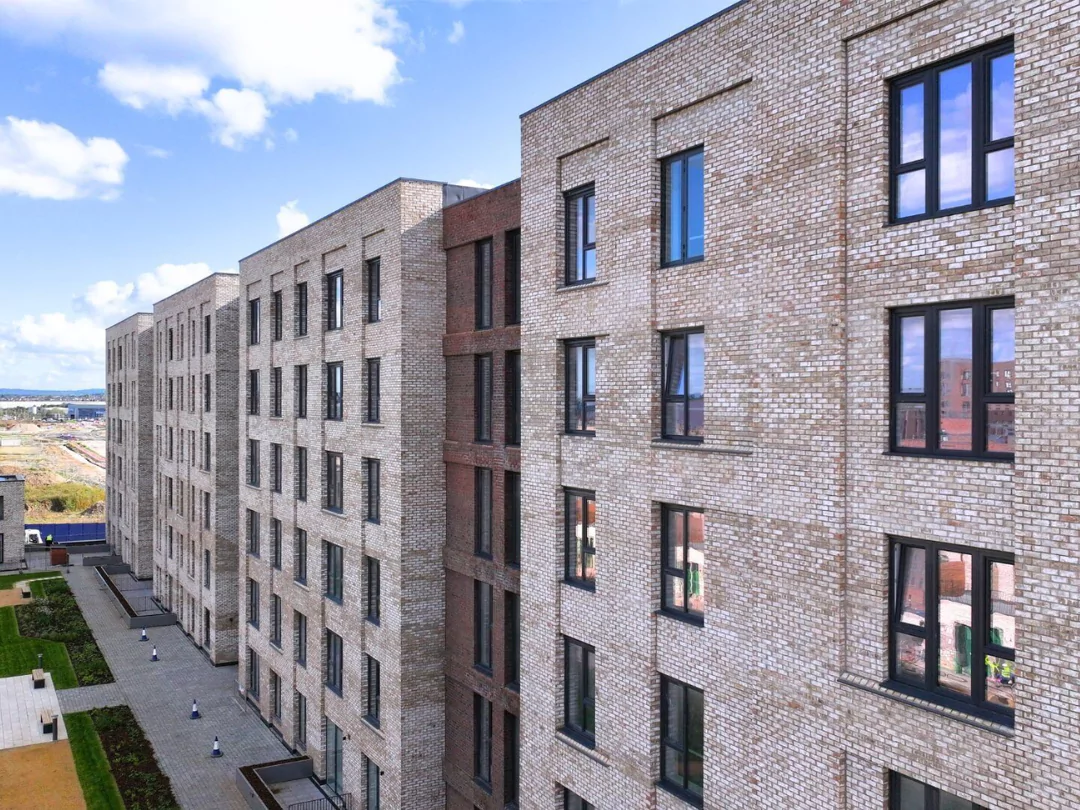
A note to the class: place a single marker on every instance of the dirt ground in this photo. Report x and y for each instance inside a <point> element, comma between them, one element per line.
<point>39,776</point>
<point>13,596</point>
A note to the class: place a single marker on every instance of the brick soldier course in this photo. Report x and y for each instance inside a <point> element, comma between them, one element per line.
<point>12,521</point>
<point>195,461</point>
<point>129,473</point>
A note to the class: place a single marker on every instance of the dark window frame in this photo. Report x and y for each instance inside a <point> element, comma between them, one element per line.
<point>931,795</point>
<point>372,589</point>
<point>483,511</point>
<point>275,543</point>
<point>482,741</point>
<point>571,574</point>
<point>373,379</point>
<point>300,379</point>
<point>373,278</point>
<point>277,315</point>
<point>277,467</point>
<point>571,801</point>
<point>573,198</point>
<point>586,700</point>
<point>300,638</point>
<point>301,473</point>
<point>666,365</point>
<point>684,156</point>
<point>334,583</point>
<point>571,424</point>
<point>373,490</point>
<point>981,645</point>
<point>254,326</point>
<point>334,319</point>
<point>335,391</point>
<point>485,284</point>
<point>512,639</point>
<point>254,394</point>
<point>512,518</point>
<point>300,556</point>
<point>981,363</point>
<point>512,271</point>
<point>483,397</point>
<point>301,316</point>
<point>372,691</point>
<point>681,745</point>
<point>483,626</point>
<point>277,386</point>
<point>685,612</point>
<point>335,662</point>
<point>982,143</point>
<point>334,496</point>
<point>512,375</point>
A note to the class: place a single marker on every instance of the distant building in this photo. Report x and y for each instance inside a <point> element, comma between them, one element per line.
<point>12,515</point>
<point>85,410</point>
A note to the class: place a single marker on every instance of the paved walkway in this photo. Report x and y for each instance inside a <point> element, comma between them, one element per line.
<point>90,697</point>
<point>160,693</point>
<point>20,707</point>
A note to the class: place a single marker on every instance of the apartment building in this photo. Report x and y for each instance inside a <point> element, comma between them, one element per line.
<point>196,418</point>
<point>129,478</point>
<point>343,497</point>
<point>12,518</point>
<point>482,239</point>
<point>799,439</point>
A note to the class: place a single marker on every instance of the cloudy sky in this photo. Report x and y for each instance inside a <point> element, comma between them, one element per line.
<point>146,144</point>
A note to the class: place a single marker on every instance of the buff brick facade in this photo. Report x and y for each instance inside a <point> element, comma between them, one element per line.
<point>397,228</point>
<point>482,577</point>
<point>195,462</point>
<point>12,517</point>
<point>800,493</point>
<point>129,474</point>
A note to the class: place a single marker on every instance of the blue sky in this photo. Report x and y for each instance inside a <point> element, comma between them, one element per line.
<point>143,144</point>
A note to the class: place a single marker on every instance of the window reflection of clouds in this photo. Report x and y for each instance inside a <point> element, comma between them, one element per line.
<point>912,355</point>
<point>954,165</point>
<point>1003,337</point>
<point>1002,83</point>
<point>955,331</point>
<point>911,123</point>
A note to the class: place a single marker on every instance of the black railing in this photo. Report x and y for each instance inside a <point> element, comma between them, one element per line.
<point>344,802</point>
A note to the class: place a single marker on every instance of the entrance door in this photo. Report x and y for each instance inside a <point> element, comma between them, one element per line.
<point>334,773</point>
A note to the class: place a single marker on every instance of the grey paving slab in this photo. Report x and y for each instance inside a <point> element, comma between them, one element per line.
<point>90,697</point>
<point>160,694</point>
<point>20,708</point>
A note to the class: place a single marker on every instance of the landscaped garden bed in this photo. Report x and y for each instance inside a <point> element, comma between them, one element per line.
<point>131,760</point>
<point>54,615</point>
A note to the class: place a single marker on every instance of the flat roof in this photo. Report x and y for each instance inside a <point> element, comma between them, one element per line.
<point>648,50</point>
<point>483,192</point>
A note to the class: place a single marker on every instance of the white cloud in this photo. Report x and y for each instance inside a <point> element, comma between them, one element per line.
<point>156,152</point>
<point>291,135</point>
<point>167,279</point>
<point>110,301</point>
<point>457,33</point>
<point>472,183</point>
<point>181,55</point>
<point>46,161</point>
<point>55,333</point>
<point>290,219</point>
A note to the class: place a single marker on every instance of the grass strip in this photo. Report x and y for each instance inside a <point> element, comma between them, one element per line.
<point>19,655</point>
<point>142,784</point>
<point>7,581</point>
<point>98,786</point>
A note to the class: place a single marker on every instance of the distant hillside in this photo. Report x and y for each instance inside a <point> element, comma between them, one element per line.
<point>26,392</point>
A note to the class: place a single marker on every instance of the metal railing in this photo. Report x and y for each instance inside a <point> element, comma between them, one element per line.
<point>343,802</point>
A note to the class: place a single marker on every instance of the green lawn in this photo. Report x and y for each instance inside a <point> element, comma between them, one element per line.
<point>54,615</point>
<point>9,580</point>
<point>98,786</point>
<point>18,655</point>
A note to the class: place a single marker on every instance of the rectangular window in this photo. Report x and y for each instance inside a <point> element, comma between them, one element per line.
<point>511,759</point>
<point>581,235</point>
<point>483,279</point>
<point>334,660</point>
<point>300,557</point>
<point>683,193</point>
<point>373,372</point>
<point>372,690</point>
<point>335,481</point>
<point>253,392</point>
<point>953,382</point>
<point>172,354</point>
<point>483,397</point>
<point>335,390</point>
<point>301,721</point>
<point>907,794</point>
<point>206,393</point>
<point>513,277</point>
<point>253,325</point>
<point>513,397</point>
<point>206,334</point>
<point>482,740</point>
<point>581,386</point>
<point>253,673</point>
<point>374,290</point>
<point>372,474</point>
<point>483,500</point>
<point>275,467</point>
<point>253,602</point>
<point>300,380</point>
<point>207,455</point>
<point>372,589</point>
<point>301,473</point>
<point>571,801</point>
<point>300,638</point>
<point>580,521</point>
<point>277,315</point>
<point>682,739</point>
<point>253,532</point>
<point>482,623</point>
<point>275,391</point>
<point>953,626</point>
<point>275,543</point>
<point>512,632</point>
<point>206,569</point>
<point>951,136</point>
<point>275,620</point>
<point>253,462</point>
<point>301,309</point>
<point>335,301</point>
<point>371,785</point>
<point>683,394</point>
<point>206,510</point>
<point>682,534</point>
<point>335,570</point>
<point>579,710</point>
<point>512,517</point>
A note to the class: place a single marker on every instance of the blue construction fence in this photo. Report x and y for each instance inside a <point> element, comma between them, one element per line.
<point>70,532</point>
